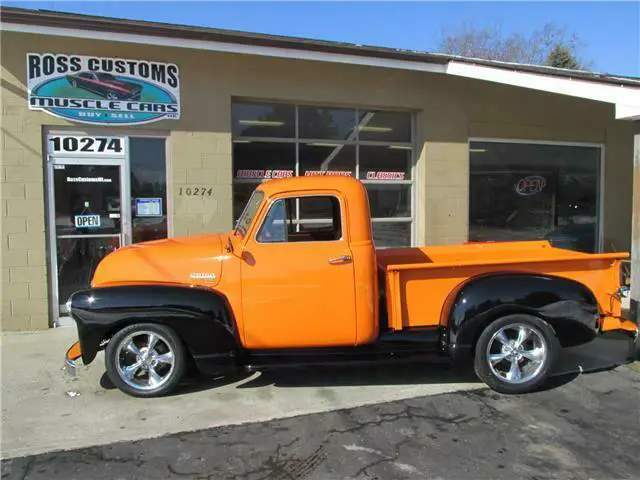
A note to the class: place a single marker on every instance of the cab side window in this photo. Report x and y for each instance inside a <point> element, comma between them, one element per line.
<point>274,228</point>
<point>302,219</point>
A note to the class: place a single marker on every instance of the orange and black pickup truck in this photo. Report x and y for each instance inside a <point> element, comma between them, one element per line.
<point>299,282</point>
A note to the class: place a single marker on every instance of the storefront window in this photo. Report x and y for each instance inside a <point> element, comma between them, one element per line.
<point>522,191</point>
<point>327,123</point>
<point>384,126</point>
<point>263,120</point>
<point>385,163</point>
<point>318,158</point>
<point>147,159</point>
<point>280,140</point>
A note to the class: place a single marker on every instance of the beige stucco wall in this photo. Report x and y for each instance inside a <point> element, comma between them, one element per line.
<point>448,111</point>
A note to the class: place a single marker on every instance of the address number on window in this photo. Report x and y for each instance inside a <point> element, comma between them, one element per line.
<point>195,191</point>
<point>77,145</point>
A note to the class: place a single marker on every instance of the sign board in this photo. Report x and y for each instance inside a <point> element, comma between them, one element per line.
<point>101,90</point>
<point>87,221</point>
<point>148,207</point>
<point>87,146</point>
<point>530,185</point>
<point>264,174</point>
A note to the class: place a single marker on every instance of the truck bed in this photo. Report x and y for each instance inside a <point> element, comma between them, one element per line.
<point>420,280</point>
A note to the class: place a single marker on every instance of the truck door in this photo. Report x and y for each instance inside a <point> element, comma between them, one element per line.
<point>298,276</point>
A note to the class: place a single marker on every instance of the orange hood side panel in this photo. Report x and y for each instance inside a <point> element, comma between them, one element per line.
<point>193,260</point>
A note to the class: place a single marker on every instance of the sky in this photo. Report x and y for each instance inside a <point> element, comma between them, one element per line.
<point>610,31</point>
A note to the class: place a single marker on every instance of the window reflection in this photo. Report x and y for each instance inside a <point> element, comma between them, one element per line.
<point>148,188</point>
<point>384,126</point>
<point>327,123</point>
<point>534,191</point>
<point>327,159</point>
<point>263,120</point>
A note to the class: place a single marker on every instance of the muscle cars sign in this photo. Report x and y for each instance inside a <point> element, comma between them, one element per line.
<point>103,91</point>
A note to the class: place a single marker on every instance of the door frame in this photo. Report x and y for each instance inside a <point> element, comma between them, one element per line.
<point>125,213</point>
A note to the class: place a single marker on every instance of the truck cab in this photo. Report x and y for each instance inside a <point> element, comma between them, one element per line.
<point>299,281</point>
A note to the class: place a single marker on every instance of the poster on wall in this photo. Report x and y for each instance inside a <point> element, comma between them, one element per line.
<point>103,91</point>
<point>148,207</point>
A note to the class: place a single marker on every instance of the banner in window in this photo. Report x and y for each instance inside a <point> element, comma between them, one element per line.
<point>103,91</point>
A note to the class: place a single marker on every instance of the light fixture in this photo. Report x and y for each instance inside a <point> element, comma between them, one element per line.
<point>400,147</point>
<point>371,128</point>
<point>320,144</point>
<point>477,150</point>
<point>262,123</point>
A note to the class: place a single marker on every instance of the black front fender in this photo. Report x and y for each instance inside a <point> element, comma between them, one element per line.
<point>568,306</point>
<point>201,317</point>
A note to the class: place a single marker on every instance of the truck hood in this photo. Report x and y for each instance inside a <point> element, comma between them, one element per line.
<point>192,260</point>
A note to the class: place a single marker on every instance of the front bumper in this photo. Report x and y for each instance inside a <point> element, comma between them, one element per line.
<point>72,359</point>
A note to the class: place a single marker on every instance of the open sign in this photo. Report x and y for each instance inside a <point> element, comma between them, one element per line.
<point>530,185</point>
<point>87,221</point>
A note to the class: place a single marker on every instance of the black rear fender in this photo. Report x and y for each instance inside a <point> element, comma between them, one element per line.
<point>568,306</point>
<point>201,317</point>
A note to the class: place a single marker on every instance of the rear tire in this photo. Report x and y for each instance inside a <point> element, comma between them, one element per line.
<point>516,353</point>
<point>145,360</point>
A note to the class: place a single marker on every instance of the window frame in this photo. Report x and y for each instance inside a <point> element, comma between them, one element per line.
<point>600,194</point>
<point>297,221</point>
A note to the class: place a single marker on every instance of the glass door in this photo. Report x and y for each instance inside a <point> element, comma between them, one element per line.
<point>88,217</point>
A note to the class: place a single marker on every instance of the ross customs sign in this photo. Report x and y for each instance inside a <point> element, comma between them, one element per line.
<point>103,91</point>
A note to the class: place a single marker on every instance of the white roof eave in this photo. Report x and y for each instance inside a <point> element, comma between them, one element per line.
<point>626,98</point>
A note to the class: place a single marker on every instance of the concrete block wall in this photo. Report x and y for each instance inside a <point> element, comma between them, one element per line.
<point>201,159</point>
<point>23,260</point>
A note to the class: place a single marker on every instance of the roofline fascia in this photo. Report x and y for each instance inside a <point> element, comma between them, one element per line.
<point>227,47</point>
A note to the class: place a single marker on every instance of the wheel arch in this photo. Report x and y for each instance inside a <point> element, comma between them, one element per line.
<point>569,307</point>
<point>201,318</point>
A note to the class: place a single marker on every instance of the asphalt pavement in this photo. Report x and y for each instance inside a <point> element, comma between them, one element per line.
<point>582,426</point>
<point>43,409</point>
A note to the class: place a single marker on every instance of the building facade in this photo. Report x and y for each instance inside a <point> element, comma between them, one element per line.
<point>116,132</point>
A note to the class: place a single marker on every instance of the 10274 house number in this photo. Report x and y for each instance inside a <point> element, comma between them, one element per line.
<point>195,191</point>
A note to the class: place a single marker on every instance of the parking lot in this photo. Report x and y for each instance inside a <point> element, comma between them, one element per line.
<point>584,427</point>
<point>380,422</point>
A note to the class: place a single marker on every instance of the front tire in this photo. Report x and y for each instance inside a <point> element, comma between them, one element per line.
<point>145,360</point>
<point>515,354</point>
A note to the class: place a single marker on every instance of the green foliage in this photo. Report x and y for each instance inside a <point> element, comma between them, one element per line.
<point>561,57</point>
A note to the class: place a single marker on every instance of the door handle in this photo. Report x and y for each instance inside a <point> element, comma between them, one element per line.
<point>342,259</point>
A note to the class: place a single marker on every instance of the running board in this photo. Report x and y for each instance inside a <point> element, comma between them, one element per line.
<point>381,352</point>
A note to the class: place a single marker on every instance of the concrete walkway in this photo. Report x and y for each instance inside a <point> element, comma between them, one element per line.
<point>44,410</point>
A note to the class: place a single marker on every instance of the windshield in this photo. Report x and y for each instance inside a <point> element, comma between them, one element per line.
<point>249,213</point>
<point>105,76</point>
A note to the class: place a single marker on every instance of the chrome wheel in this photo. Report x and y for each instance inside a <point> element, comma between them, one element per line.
<point>145,360</point>
<point>516,353</point>
<point>112,96</point>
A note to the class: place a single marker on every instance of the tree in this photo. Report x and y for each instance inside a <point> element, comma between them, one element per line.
<point>561,57</point>
<point>550,43</point>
